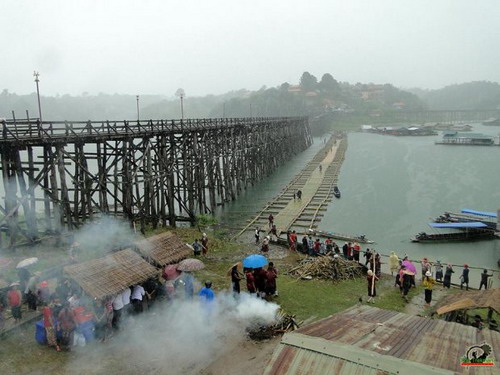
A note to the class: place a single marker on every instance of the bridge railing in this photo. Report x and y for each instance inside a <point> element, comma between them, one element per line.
<point>33,130</point>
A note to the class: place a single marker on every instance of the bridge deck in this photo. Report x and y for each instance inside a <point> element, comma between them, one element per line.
<point>317,192</point>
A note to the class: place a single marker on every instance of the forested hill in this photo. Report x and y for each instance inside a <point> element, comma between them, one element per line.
<point>472,95</point>
<point>307,97</point>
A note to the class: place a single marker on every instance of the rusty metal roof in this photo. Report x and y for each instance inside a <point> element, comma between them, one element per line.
<point>367,340</point>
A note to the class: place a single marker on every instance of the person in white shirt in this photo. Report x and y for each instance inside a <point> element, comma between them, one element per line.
<point>137,294</point>
<point>126,300</point>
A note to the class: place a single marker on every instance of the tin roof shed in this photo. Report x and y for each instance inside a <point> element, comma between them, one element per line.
<point>367,340</point>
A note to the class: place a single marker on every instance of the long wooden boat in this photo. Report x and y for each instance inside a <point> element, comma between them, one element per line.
<point>459,236</point>
<point>338,236</point>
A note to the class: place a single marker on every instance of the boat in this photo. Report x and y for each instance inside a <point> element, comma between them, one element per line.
<point>492,122</point>
<point>468,215</point>
<point>465,139</point>
<point>469,231</point>
<point>336,192</point>
<point>361,238</point>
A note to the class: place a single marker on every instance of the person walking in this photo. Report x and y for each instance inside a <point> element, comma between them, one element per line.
<point>265,245</point>
<point>196,247</point>
<point>393,263</point>
<point>428,282</point>
<point>408,278</point>
<point>426,266</point>
<point>464,278</point>
<point>257,235</point>
<point>204,244</point>
<point>372,291</point>
<point>484,279</point>
<point>271,220</point>
<point>447,276</point>
<point>356,249</point>
<point>305,245</point>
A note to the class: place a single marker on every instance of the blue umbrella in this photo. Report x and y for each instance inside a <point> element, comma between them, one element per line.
<point>254,261</point>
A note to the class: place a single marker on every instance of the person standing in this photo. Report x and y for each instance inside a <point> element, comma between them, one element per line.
<point>271,220</point>
<point>117,310</point>
<point>14,300</point>
<point>49,325</point>
<point>372,291</point>
<point>393,263</point>
<point>428,283</point>
<point>439,271</point>
<point>67,324</point>
<point>265,245</point>
<point>206,294</point>
<point>345,250</point>
<point>447,276</point>
<point>464,278</point>
<point>257,235</point>
<point>299,194</point>
<point>188,285</point>
<point>196,247</point>
<point>250,281</point>
<point>484,280</point>
<point>235,279</point>
<point>271,276</point>
<point>204,244</point>
<point>356,248</point>
<point>260,281</point>
<point>31,291</point>
<point>426,266</point>
<point>317,247</point>
<point>368,256</point>
<point>126,300</point>
<point>305,245</point>
<point>138,294</point>
<point>293,241</point>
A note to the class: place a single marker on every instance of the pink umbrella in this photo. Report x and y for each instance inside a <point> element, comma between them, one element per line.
<point>170,272</point>
<point>409,266</point>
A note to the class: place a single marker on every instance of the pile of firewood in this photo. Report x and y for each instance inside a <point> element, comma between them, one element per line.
<point>285,323</point>
<point>326,268</point>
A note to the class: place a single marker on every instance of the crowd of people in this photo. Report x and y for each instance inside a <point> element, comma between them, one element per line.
<point>260,282</point>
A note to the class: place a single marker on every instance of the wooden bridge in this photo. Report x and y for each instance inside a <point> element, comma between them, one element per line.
<point>57,175</point>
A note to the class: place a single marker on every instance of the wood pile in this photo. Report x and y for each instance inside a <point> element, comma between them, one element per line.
<point>285,323</point>
<point>326,268</point>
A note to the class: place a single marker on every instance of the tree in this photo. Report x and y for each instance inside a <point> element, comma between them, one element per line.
<point>308,82</point>
<point>328,84</point>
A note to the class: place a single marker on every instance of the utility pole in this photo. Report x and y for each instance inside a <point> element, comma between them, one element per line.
<point>181,94</point>
<point>36,75</point>
<point>137,99</point>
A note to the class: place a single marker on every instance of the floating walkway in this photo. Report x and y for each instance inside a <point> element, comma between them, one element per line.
<point>316,181</point>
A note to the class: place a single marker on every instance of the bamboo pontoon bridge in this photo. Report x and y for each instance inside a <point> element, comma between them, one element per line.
<point>57,175</point>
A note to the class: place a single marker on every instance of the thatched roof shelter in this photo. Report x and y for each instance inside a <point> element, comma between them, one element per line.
<point>164,248</point>
<point>110,275</point>
<point>477,299</point>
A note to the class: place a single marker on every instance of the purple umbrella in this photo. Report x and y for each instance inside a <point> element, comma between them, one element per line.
<point>409,266</point>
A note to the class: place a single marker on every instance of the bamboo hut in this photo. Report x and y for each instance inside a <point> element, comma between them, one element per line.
<point>110,275</point>
<point>164,248</point>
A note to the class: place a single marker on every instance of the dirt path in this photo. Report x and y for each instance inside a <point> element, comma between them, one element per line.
<point>417,304</point>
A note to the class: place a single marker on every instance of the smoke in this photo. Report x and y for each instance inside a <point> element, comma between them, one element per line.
<point>178,337</point>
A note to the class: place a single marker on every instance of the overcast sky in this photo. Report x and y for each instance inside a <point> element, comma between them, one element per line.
<point>213,46</point>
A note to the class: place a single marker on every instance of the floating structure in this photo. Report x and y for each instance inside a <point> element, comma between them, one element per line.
<point>469,231</point>
<point>339,236</point>
<point>468,215</point>
<point>413,131</point>
<point>492,122</point>
<point>466,139</point>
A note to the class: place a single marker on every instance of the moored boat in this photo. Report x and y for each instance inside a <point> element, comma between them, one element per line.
<point>361,238</point>
<point>336,192</point>
<point>469,231</point>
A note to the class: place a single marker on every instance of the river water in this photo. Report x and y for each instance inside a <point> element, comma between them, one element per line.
<point>393,186</point>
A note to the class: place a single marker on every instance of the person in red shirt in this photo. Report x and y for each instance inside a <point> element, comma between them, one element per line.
<point>317,246</point>
<point>271,276</point>
<point>250,281</point>
<point>14,300</point>
<point>67,324</point>
<point>49,324</point>
<point>293,241</point>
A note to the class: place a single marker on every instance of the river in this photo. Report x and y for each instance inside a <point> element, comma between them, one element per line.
<point>393,186</point>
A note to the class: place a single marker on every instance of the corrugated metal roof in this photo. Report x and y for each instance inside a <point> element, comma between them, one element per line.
<point>372,339</point>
